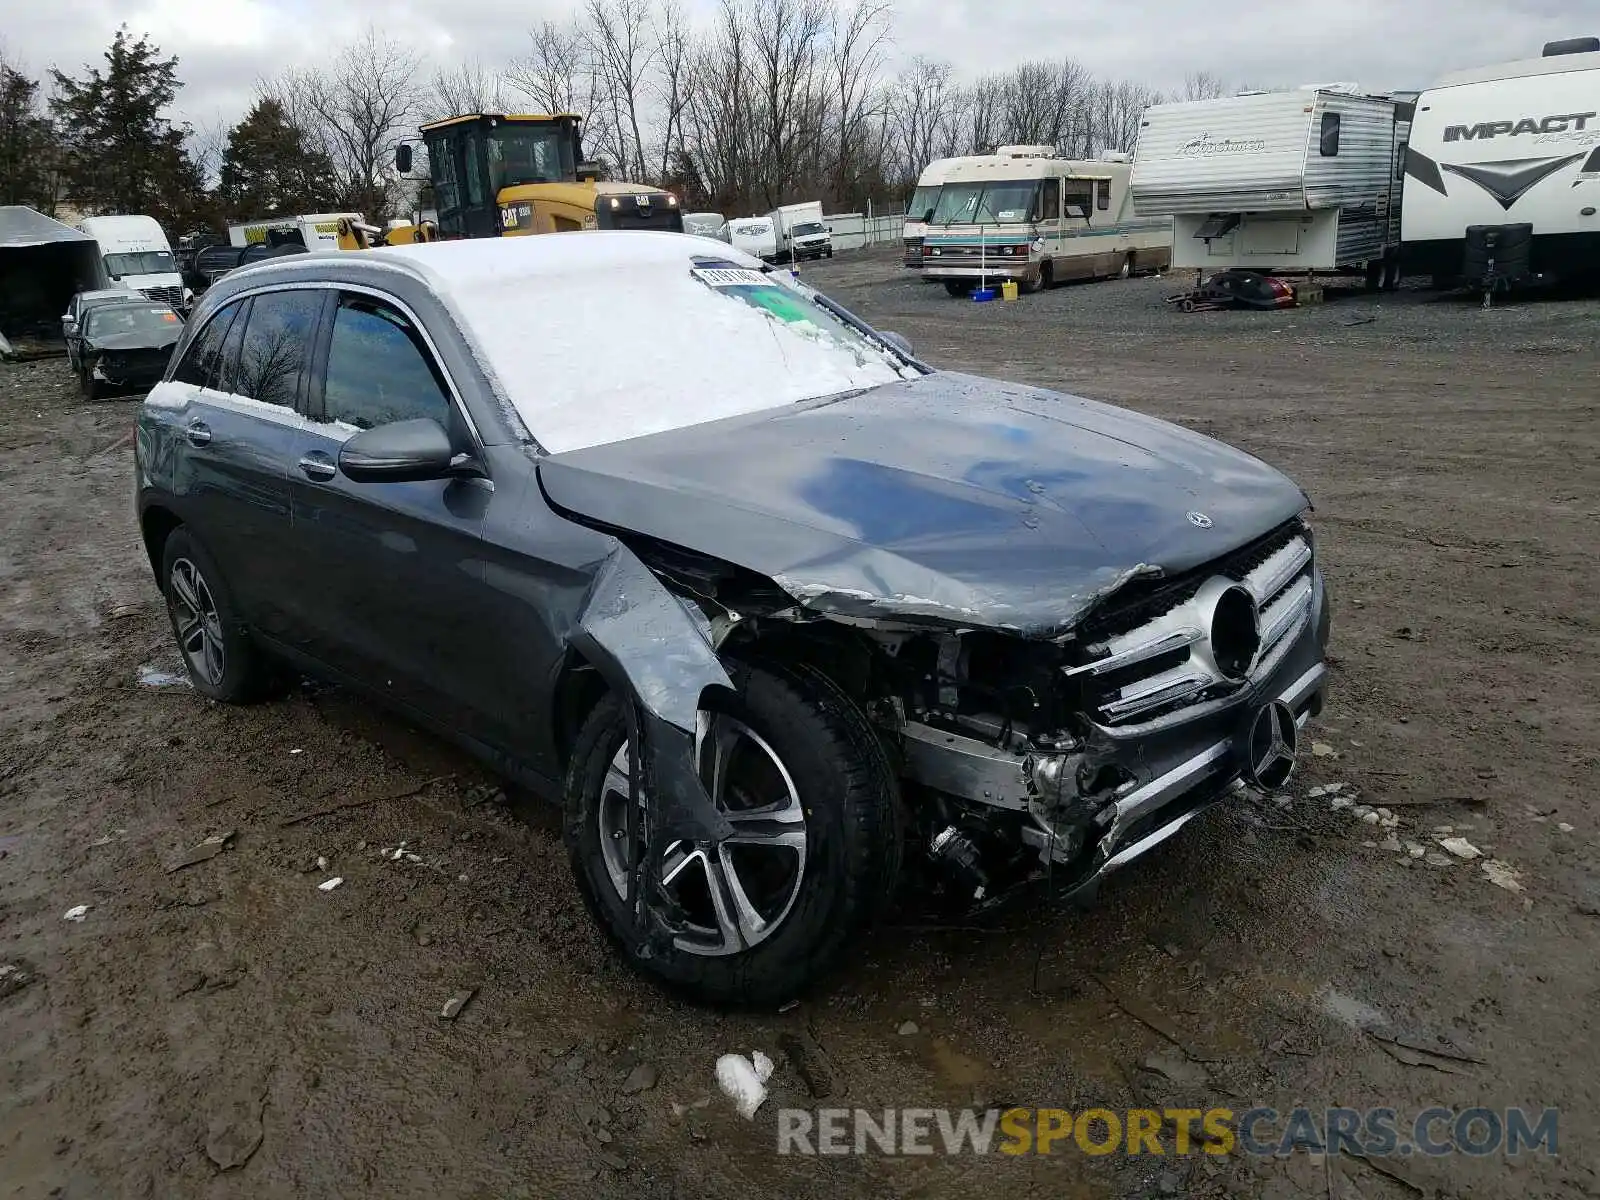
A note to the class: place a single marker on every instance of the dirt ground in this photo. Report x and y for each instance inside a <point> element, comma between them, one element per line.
<point>228,1029</point>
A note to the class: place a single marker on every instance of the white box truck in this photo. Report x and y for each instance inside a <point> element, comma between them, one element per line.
<point>314,231</point>
<point>136,255</point>
<point>800,231</point>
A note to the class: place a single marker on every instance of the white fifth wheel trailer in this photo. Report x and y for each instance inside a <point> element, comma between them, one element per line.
<point>1504,165</point>
<point>1297,181</point>
<point>1024,214</point>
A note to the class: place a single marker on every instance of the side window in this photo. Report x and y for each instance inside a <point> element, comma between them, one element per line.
<point>473,141</point>
<point>204,355</point>
<point>1330,134</point>
<point>278,335</point>
<point>379,369</point>
<point>1102,194</point>
<point>226,378</point>
<point>1078,196</point>
<point>1400,161</point>
<point>1050,200</point>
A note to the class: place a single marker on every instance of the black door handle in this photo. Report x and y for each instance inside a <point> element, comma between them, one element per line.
<point>317,465</point>
<point>198,433</point>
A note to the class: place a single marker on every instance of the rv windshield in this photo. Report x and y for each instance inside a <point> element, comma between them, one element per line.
<point>1001,202</point>
<point>523,152</point>
<point>141,262</point>
<point>922,200</point>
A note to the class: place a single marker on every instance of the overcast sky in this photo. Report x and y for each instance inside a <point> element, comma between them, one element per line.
<point>225,45</point>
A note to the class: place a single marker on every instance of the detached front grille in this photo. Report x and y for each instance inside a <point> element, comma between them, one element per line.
<point>166,295</point>
<point>1203,639</point>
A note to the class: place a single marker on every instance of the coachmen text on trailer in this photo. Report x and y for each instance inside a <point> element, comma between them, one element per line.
<point>1503,172</point>
<point>1299,181</point>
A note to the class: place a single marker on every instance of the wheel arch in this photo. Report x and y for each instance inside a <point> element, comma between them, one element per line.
<point>156,525</point>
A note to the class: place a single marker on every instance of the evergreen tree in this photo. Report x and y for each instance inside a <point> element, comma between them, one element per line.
<point>26,151</point>
<point>120,154</point>
<point>269,169</point>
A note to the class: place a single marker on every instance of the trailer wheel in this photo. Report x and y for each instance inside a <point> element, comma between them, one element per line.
<point>1374,274</point>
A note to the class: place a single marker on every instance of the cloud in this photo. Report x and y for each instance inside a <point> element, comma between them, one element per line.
<point>224,46</point>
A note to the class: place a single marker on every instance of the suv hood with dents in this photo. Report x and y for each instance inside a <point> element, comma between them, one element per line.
<point>949,498</point>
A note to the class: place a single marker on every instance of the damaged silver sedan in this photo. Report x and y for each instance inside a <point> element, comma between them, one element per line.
<point>774,609</point>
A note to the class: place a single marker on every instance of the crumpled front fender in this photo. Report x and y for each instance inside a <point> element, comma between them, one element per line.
<point>656,652</point>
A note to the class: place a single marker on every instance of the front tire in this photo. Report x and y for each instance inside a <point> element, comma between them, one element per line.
<point>217,652</point>
<point>810,794</point>
<point>958,288</point>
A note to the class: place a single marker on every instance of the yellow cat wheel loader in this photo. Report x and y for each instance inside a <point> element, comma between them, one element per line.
<point>501,175</point>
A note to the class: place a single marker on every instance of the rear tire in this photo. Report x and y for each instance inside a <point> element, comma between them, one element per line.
<point>830,766</point>
<point>217,652</point>
<point>1126,270</point>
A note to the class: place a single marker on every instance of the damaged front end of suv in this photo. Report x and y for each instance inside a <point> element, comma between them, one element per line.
<point>1063,751</point>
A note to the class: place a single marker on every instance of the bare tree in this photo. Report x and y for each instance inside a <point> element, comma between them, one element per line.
<point>469,87</point>
<point>856,45</point>
<point>356,110</point>
<point>673,39</point>
<point>622,54</point>
<point>555,70</point>
<point>1203,85</point>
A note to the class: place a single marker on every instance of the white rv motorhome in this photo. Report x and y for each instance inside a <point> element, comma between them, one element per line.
<point>136,255</point>
<point>1304,180</point>
<point>922,201</point>
<point>1023,214</point>
<point>1508,155</point>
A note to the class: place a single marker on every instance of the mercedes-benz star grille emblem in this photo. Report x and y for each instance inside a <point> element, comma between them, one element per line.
<point>1270,746</point>
<point>1199,520</point>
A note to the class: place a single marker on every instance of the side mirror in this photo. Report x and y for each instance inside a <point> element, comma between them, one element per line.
<point>402,158</point>
<point>400,452</point>
<point>900,342</point>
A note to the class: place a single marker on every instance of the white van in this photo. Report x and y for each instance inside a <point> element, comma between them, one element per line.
<point>136,255</point>
<point>755,235</point>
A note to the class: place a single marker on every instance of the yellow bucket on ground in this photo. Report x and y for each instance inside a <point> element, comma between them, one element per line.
<point>1008,289</point>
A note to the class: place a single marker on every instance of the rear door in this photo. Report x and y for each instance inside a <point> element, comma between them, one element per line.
<point>391,574</point>
<point>238,387</point>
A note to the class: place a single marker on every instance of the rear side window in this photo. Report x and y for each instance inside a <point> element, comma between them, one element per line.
<point>278,336</point>
<point>1330,134</point>
<point>379,369</point>
<point>204,356</point>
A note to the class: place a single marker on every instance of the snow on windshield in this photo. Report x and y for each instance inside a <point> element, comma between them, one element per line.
<point>605,351</point>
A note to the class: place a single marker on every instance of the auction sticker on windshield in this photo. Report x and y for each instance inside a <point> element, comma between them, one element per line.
<point>758,289</point>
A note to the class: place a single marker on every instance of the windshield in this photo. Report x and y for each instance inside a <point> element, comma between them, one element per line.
<point>142,262</point>
<point>1005,202</point>
<point>922,200</point>
<point>521,152</point>
<point>808,227</point>
<point>664,345</point>
<point>129,318</point>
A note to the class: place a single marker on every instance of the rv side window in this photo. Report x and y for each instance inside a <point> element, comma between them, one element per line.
<point>1400,161</point>
<point>1050,200</point>
<point>1102,194</point>
<point>1078,195</point>
<point>1330,134</point>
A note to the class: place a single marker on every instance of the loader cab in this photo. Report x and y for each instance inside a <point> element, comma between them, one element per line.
<point>474,160</point>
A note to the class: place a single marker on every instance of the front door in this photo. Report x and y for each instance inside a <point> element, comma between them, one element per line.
<point>390,575</point>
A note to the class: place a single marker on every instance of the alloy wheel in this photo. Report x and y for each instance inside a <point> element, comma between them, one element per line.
<point>199,627</point>
<point>732,897</point>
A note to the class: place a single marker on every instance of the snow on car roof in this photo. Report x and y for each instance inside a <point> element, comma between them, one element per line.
<point>601,336</point>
